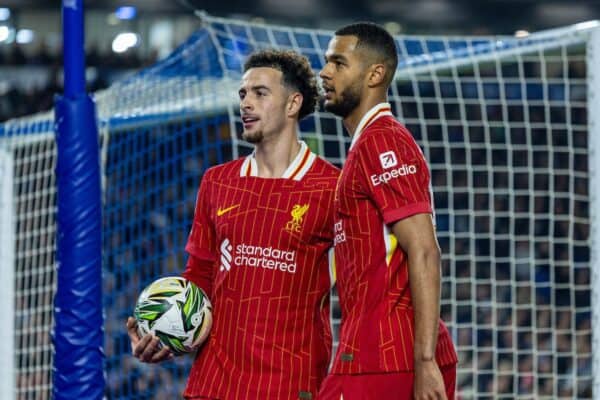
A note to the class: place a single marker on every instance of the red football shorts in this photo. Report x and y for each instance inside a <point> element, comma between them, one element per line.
<point>388,386</point>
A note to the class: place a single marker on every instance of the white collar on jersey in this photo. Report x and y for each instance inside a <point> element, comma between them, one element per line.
<point>370,116</point>
<point>296,170</point>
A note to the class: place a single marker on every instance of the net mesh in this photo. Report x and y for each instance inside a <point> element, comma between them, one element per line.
<point>502,122</point>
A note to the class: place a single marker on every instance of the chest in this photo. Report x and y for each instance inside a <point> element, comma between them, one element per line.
<point>351,189</point>
<point>282,212</point>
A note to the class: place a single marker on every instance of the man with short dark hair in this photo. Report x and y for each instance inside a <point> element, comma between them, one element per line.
<point>393,344</point>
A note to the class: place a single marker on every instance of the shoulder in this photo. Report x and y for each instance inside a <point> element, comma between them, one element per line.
<point>387,132</point>
<point>326,167</point>
<point>388,127</point>
<point>323,170</point>
<point>322,174</point>
<point>228,170</point>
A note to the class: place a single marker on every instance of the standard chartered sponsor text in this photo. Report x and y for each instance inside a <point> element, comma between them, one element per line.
<point>265,257</point>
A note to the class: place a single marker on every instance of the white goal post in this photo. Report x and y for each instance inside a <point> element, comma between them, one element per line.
<point>7,276</point>
<point>593,62</point>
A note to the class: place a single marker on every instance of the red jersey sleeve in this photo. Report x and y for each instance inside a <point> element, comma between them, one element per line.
<point>201,241</point>
<point>200,272</point>
<point>395,174</point>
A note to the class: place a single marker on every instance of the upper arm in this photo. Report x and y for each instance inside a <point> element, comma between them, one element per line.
<point>201,240</point>
<point>395,176</point>
<point>416,234</point>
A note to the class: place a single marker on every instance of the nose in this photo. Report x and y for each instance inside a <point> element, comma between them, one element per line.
<point>245,104</point>
<point>324,74</point>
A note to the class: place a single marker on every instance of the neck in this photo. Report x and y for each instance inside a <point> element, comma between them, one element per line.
<point>368,102</point>
<point>274,155</point>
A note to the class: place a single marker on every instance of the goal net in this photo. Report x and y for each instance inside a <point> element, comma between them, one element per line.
<point>503,122</point>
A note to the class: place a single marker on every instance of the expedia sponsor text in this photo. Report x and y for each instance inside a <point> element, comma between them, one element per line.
<point>403,170</point>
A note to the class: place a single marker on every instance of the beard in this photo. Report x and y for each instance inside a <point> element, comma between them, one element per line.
<point>347,101</point>
<point>254,137</point>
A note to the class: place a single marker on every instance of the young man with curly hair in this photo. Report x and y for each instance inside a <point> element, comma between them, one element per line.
<point>260,246</point>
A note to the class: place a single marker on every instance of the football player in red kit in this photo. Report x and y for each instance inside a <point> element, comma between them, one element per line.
<point>260,247</point>
<point>393,344</point>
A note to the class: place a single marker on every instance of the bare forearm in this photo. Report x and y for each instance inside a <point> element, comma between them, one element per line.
<point>424,278</point>
<point>416,236</point>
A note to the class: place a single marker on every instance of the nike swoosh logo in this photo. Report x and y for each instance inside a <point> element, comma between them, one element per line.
<point>222,211</point>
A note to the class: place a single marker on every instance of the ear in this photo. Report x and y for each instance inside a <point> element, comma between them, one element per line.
<point>294,104</point>
<point>376,75</point>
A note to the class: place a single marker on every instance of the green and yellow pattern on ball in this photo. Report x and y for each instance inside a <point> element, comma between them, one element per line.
<point>176,311</point>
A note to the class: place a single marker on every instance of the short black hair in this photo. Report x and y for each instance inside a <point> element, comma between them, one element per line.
<point>376,39</point>
<point>296,74</point>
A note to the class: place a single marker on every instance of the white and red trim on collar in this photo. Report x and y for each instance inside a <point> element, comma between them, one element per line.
<point>296,170</point>
<point>374,113</point>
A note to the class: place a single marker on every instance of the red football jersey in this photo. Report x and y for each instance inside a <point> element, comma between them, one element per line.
<point>384,179</point>
<point>268,243</point>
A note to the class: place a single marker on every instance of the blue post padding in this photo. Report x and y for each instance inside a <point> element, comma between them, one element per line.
<point>78,333</point>
<point>73,45</point>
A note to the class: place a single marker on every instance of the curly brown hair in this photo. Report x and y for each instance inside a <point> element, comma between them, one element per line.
<point>296,74</point>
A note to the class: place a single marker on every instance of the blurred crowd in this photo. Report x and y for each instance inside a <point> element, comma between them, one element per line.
<point>18,97</point>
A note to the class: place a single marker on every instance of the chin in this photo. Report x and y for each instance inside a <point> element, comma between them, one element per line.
<point>252,138</point>
<point>328,105</point>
